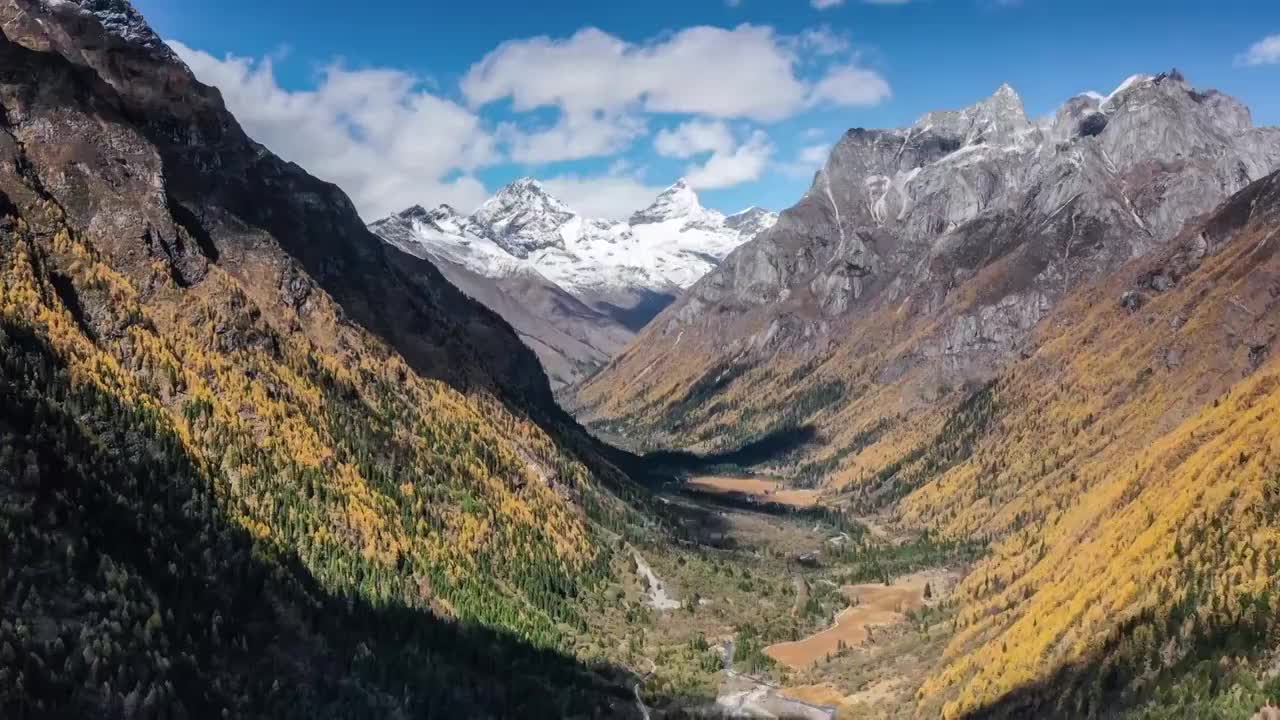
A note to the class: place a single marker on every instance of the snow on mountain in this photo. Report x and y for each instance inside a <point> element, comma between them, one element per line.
<point>576,289</point>
<point>678,202</point>
<point>752,221</point>
<point>664,248</point>
<point>522,218</point>
<point>445,234</point>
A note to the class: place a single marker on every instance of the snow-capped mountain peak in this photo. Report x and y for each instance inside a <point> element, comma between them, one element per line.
<point>752,221</point>
<point>666,247</point>
<point>523,218</point>
<point>678,202</point>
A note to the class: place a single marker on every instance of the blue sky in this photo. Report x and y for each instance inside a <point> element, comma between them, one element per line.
<point>427,102</point>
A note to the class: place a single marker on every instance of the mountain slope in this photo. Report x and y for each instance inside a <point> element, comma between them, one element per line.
<point>920,260</point>
<point>203,181</point>
<point>1074,374</point>
<point>577,289</point>
<point>1128,470</point>
<point>571,339</point>
<point>255,460</point>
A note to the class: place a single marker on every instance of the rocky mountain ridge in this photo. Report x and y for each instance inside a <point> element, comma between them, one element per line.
<point>964,228</point>
<point>931,192</point>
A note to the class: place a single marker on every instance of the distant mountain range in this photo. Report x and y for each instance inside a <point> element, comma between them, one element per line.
<point>576,289</point>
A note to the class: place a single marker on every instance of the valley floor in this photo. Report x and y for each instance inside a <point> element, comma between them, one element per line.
<point>773,606</point>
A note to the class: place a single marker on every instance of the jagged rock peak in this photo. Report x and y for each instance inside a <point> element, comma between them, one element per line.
<point>676,202</point>
<point>1005,101</point>
<point>442,213</point>
<point>996,120</point>
<point>527,192</point>
<point>667,246</point>
<point>1006,90</point>
<point>118,19</point>
<point>523,217</point>
<point>941,183</point>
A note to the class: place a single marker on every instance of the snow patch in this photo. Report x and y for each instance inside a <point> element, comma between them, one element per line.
<point>1129,82</point>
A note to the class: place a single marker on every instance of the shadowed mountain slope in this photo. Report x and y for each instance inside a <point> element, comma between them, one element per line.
<point>257,462</point>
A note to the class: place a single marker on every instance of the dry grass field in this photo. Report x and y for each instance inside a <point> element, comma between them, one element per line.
<point>763,489</point>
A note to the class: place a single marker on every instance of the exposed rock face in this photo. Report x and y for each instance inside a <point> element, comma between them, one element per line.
<point>939,246</point>
<point>910,215</point>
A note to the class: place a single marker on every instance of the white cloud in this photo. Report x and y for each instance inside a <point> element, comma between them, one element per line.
<point>614,197</point>
<point>809,160</point>
<point>375,133</point>
<point>1264,52</point>
<point>824,4</point>
<point>851,85</point>
<point>824,41</point>
<point>747,72</point>
<point>725,169</point>
<point>389,141</point>
<point>729,161</point>
<point>693,138</point>
<point>815,155</point>
<point>573,137</point>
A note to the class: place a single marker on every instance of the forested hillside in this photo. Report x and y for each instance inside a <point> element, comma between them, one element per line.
<point>253,461</point>
<point>1128,473</point>
<point>137,584</point>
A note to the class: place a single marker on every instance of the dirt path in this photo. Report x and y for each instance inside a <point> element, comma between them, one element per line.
<point>871,605</point>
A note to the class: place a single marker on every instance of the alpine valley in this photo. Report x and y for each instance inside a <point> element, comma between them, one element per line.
<point>986,425</point>
<point>1054,338</point>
